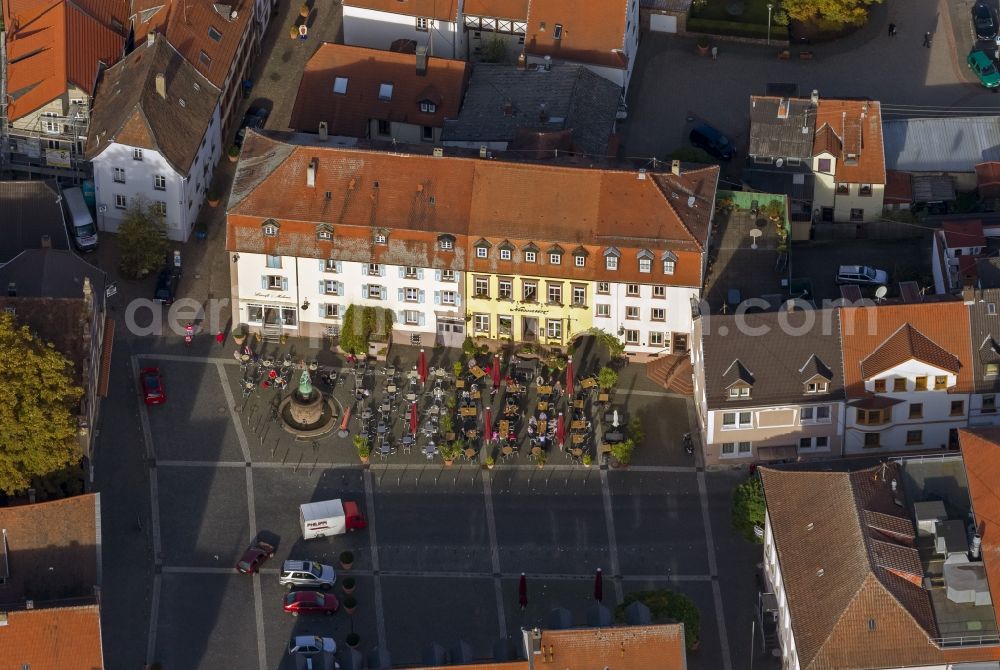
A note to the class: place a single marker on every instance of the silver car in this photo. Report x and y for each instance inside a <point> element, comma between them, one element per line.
<point>307,573</point>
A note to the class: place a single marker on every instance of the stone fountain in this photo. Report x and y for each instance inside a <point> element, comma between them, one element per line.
<point>305,412</point>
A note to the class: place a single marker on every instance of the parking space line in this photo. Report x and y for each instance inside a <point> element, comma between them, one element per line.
<point>609,519</point>
<point>376,575</point>
<point>491,527</point>
<point>713,569</point>
<point>258,601</point>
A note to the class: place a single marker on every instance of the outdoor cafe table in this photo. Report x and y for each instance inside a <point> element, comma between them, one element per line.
<point>391,388</point>
<point>541,427</point>
<point>578,438</point>
<point>476,395</point>
<point>543,405</point>
<point>511,410</point>
<point>603,397</point>
<point>460,383</point>
<point>578,404</point>
<point>588,383</point>
<point>544,390</point>
<point>472,433</point>
<point>469,453</point>
<point>535,451</point>
<point>504,428</point>
<point>506,451</point>
<point>467,411</point>
<point>578,425</point>
<point>576,452</point>
<point>477,372</point>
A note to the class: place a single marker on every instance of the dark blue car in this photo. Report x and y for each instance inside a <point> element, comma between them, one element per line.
<point>711,140</point>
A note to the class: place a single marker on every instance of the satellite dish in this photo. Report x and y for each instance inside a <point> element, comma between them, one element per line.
<point>779,162</point>
<point>881,292</point>
<point>754,234</point>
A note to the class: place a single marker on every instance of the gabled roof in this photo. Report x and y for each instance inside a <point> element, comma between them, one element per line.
<point>857,124</point>
<point>827,141</point>
<point>967,233</point>
<point>54,43</point>
<point>51,273</point>
<point>54,550</point>
<point>592,32</point>
<point>944,323</point>
<point>781,127</point>
<point>30,209</point>
<point>365,70</point>
<point>737,373</point>
<point>573,99</point>
<point>129,110</point>
<point>442,10</point>
<point>59,638</point>
<point>907,344</point>
<point>815,367</point>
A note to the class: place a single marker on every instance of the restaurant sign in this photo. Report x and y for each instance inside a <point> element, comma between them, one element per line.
<point>529,308</point>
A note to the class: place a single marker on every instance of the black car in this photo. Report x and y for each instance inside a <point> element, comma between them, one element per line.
<point>255,118</point>
<point>984,21</point>
<point>166,286</point>
<point>711,140</point>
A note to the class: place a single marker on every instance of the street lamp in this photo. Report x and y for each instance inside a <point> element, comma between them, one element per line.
<point>770,6</point>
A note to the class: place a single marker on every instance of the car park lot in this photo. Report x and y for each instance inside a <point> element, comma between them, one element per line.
<point>441,557</point>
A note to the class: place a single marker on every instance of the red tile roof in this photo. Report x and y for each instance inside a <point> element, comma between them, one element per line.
<point>907,344</point>
<point>500,9</point>
<point>366,70</point>
<point>988,179</point>
<point>981,454</point>
<point>964,233</point>
<point>898,188</point>
<point>852,127</point>
<point>189,26</point>
<point>442,10</point>
<point>592,32</point>
<point>866,329</point>
<point>61,638</point>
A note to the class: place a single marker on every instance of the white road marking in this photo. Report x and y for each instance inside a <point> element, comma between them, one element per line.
<point>491,527</point>
<point>609,519</point>
<point>376,574</point>
<point>258,601</point>
<point>713,569</point>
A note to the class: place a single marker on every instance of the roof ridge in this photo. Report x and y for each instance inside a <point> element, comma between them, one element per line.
<point>660,188</point>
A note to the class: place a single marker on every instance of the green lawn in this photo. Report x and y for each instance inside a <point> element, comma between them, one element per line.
<point>754,11</point>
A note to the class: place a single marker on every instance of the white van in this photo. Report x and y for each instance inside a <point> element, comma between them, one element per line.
<point>861,274</point>
<point>81,223</point>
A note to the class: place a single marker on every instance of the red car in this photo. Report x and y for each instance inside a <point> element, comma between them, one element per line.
<point>311,602</point>
<point>153,391</point>
<point>254,557</point>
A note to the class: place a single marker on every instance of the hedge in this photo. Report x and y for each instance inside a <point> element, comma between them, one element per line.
<point>734,28</point>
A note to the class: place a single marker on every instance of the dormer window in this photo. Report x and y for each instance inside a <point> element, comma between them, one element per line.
<point>324,232</point>
<point>739,392</point>
<point>669,262</point>
<point>270,228</point>
<point>817,387</point>
<point>580,257</point>
<point>530,253</point>
<point>483,248</point>
<point>645,261</point>
<point>428,107</point>
<point>446,242</point>
<point>851,159</point>
<point>611,256</point>
<point>555,259</point>
<point>385,92</point>
<point>380,238</point>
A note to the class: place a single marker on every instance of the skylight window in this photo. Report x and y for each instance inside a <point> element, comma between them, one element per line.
<point>385,92</point>
<point>340,85</point>
<point>214,34</point>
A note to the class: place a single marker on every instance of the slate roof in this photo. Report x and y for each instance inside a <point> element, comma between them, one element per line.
<point>573,97</point>
<point>60,638</point>
<point>128,110</point>
<point>30,209</point>
<point>985,334</point>
<point>51,273</point>
<point>54,550</point>
<point>774,136</point>
<point>778,363</point>
<point>907,344</point>
<point>366,70</point>
<point>953,144</point>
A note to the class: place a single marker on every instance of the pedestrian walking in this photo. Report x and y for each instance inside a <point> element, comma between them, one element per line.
<point>220,338</point>
<point>927,40</point>
<point>892,30</point>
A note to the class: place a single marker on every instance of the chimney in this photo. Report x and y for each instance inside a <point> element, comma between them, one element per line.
<point>421,60</point>
<point>438,152</point>
<point>977,542</point>
<point>46,242</point>
<point>150,38</point>
<point>783,106</point>
<point>311,173</point>
<point>323,131</point>
<point>814,97</point>
<point>508,108</point>
<point>522,61</point>
<point>161,85</point>
<point>675,168</point>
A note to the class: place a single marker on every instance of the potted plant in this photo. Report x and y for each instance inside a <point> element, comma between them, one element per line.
<point>447,425</point>
<point>450,451</point>
<point>212,196</point>
<point>457,368</point>
<point>346,560</point>
<point>350,604</point>
<point>348,585</point>
<point>240,335</point>
<point>623,452</point>
<point>540,458</point>
<point>587,460</point>
<point>775,210</point>
<point>304,10</point>
<point>607,378</point>
<point>361,444</point>
<point>490,462</point>
<point>293,32</point>
<point>233,153</point>
<point>703,45</point>
<point>352,640</point>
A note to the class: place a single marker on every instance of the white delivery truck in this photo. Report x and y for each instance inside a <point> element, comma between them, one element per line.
<point>81,223</point>
<point>330,517</point>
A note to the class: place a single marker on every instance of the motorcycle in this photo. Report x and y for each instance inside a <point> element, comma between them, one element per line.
<point>188,334</point>
<point>688,443</point>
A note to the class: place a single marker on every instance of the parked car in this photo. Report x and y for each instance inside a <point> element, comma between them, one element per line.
<point>984,21</point>
<point>166,286</point>
<point>254,557</point>
<point>153,391</point>
<point>307,573</point>
<point>983,67</point>
<point>255,118</point>
<point>711,140</point>
<point>310,645</point>
<point>311,602</point>
<point>861,274</point>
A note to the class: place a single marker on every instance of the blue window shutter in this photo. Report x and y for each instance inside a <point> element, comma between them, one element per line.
<point>458,277</point>
<point>385,292</point>
<point>364,290</point>
<point>263,281</point>
<point>437,275</point>
<point>322,287</point>
<point>420,273</point>
<point>381,270</point>
<point>458,300</point>
<point>423,319</point>
<point>284,283</point>
<point>402,272</point>
<point>322,265</point>
<point>421,296</point>
<point>400,295</point>
<point>340,266</point>
<point>364,269</point>
<point>437,297</point>
<point>401,317</point>
<point>322,308</point>
<point>340,288</point>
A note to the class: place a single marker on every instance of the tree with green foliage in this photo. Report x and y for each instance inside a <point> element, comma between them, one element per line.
<point>829,12</point>
<point>666,607</point>
<point>38,403</point>
<point>494,50</point>
<point>142,237</point>
<point>748,508</point>
<point>607,378</point>
<point>363,325</point>
<point>622,451</point>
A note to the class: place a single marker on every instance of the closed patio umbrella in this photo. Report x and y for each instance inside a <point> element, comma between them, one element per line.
<point>569,378</point>
<point>522,592</point>
<point>488,424</point>
<point>496,371</point>
<point>422,366</point>
<point>561,430</point>
<point>413,419</point>
<point>599,586</point>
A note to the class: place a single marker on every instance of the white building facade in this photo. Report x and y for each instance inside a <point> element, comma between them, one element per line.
<point>651,319</point>
<point>378,30</point>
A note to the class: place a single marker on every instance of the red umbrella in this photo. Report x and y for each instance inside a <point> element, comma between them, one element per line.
<point>488,423</point>
<point>496,371</point>
<point>522,592</point>
<point>422,367</point>
<point>598,586</point>
<point>413,419</point>
<point>569,378</point>
<point>561,430</point>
